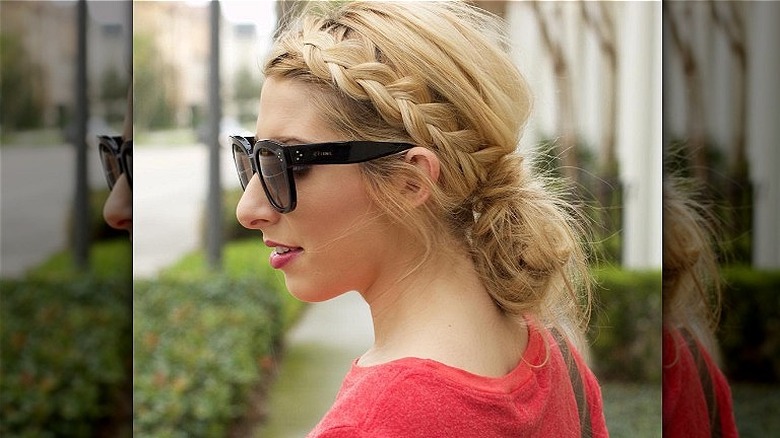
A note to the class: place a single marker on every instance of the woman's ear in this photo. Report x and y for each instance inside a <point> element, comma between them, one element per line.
<point>428,165</point>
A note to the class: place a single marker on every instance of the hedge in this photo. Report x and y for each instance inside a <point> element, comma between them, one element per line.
<point>198,349</point>
<point>203,341</point>
<point>749,334</point>
<point>245,258</point>
<point>625,327</point>
<point>626,324</point>
<point>66,347</point>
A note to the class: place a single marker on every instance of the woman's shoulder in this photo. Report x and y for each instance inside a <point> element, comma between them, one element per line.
<point>366,394</point>
<point>419,397</point>
<point>444,379</point>
<point>549,361</point>
<point>405,398</point>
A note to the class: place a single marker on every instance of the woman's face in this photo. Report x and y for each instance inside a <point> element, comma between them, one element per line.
<point>336,238</point>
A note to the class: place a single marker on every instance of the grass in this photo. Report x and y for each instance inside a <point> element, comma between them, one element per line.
<point>756,409</point>
<point>51,136</point>
<point>239,258</point>
<point>302,392</point>
<point>168,137</point>
<point>632,409</point>
<point>111,258</point>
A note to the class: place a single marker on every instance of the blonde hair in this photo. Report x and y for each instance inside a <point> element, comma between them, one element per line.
<point>691,279</point>
<point>436,75</point>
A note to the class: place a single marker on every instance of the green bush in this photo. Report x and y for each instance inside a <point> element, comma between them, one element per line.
<point>198,347</point>
<point>625,329</point>
<point>107,259</point>
<point>626,323</point>
<point>66,347</point>
<point>203,341</point>
<point>749,334</point>
<point>247,258</point>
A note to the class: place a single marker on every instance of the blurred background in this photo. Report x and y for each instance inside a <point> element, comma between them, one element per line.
<point>66,277</point>
<point>44,132</point>
<point>720,137</point>
<point>220,348</point>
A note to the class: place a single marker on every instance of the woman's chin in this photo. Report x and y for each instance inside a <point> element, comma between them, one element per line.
<point>311,294</point>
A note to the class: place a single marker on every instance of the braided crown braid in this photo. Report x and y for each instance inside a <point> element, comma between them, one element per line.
<point>435,74</point>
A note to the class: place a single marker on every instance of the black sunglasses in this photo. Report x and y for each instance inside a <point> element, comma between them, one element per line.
<point>277,163</point>
<point>117,158</point>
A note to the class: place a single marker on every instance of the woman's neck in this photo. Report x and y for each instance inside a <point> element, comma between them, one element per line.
<point>443,312</point>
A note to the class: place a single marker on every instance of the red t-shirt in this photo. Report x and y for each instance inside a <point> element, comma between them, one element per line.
<point>685,406</point>
<point>423,398</point>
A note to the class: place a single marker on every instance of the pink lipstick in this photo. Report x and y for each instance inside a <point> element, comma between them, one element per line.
<point>282,255</point>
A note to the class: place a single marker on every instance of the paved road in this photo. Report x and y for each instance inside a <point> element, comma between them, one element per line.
<point>169,191</point>
<point>37,186</point>
<point>169,195</point>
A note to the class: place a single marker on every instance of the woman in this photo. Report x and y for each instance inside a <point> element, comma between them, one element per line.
<point>468,264</point>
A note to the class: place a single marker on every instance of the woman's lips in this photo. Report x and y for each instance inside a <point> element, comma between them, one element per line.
<point>283,255</point>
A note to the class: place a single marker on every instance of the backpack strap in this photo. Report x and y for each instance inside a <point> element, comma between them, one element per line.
<point>706,383</point>
<point>576,383</point>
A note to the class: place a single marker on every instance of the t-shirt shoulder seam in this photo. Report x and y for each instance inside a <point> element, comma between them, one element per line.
<point>400,375</point>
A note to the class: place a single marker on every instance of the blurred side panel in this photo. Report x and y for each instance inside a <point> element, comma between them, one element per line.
<point>65,275</point>
<point>721,210</point>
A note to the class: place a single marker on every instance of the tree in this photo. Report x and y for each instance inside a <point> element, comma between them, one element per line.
<point>729,19</point>
<point>113,95</point>
<point>246,90</point>
<point>599,18</point>
<point>567,146</point>
<point>683,46</point>
<point>22,86</point>
<point>155,100</point>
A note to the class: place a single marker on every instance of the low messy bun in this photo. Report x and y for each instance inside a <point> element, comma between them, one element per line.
<point>523,240</point>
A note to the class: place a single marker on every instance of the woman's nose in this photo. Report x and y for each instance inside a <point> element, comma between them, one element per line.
<point>253,210</point>
<point>118,209</point>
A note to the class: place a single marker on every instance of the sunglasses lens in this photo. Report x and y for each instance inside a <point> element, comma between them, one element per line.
<point>110,166</point>
<point>275,180</point>
<point>243,165</point>
<point>129,162</point>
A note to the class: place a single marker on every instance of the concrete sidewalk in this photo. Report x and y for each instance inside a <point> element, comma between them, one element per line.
<point>318,353</point>
<point>37,192</point>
